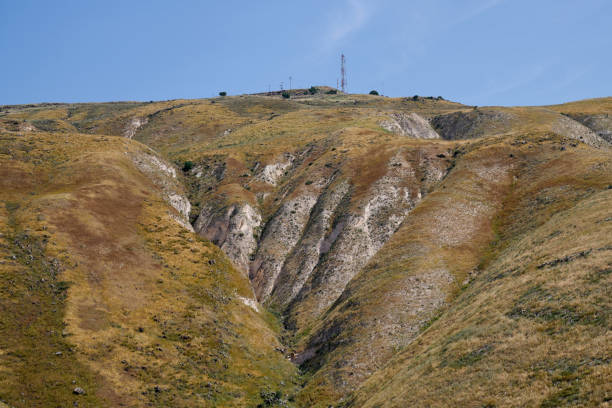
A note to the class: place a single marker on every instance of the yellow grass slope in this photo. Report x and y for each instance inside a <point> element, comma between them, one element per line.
<point>103,290</point>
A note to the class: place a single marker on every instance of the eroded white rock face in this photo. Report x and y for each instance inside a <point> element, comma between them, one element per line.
<point>409,124</point>
<point>363,233</point>
<point>280,236</point>
<point>570,128</point>
<point>233,229</point>
<point>319,238</point>
<point>183,206</point>
<point>601,124</point>
<point>252,303</point>
<point>272,173</point>
<point>316,241</point>
<point>132,127</point>
<point>163,175</point>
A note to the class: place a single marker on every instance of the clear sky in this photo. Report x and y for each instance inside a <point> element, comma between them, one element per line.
<point>479,52</point>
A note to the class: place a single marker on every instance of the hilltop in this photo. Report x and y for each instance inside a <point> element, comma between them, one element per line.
<point>318,250</point>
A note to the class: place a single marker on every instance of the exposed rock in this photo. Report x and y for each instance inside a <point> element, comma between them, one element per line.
<point>601,124</point>
<point>394,301</point>
<point>78,391</point>
<point>409,124</point>
<point>163,175</point>
<point>271,173</point>
<point>231,228</point>
<point>565,259</point>
<point>252,303</point>
<point>570,128</point>
<point>362,234</point>
<point>27,127</point>
<point>316,241</point>
<point>279,237</point>
<point>472,124</point>
<point>132,127</point>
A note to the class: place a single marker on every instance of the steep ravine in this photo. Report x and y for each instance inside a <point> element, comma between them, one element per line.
<point>321,234</point>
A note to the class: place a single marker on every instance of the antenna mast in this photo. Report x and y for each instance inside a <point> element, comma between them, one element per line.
<point>343,73</point>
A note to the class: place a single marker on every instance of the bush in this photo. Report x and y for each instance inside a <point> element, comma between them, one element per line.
<point>270,398</point>
<point>313,90</point>
<point>188,165</point>
<point>332,92</point>
<point>222,93</point>
<point>285,95</point>
<point>373,92</point>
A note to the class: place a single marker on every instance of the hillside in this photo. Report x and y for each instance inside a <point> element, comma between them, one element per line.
<point>323,250</point>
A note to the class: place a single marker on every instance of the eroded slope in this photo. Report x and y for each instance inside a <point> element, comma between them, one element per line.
<point>362,222</point>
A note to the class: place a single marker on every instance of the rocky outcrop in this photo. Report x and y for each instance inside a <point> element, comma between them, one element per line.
<point>601,124</point>
<point>360,233</point>
<point>409,278</point>
<point>317,239</point>
<point>472,124</point>
<point>570,128</point>
<point>273,172</point>
<point>132,127</point>
<point>409,124</point>
<point>164,176</point>
<point>279,237</point>
<point>233,229</point>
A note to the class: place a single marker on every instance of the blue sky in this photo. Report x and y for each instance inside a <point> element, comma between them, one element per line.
<point>479,52</point>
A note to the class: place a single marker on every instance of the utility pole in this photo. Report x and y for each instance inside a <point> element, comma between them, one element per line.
<point>269,89</point>
<point>281,86</point>
<point>290,88</point>
<point>343,72</point>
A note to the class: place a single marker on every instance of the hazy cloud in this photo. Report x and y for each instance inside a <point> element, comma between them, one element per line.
<point>344,21</point>
<point>477,10</point>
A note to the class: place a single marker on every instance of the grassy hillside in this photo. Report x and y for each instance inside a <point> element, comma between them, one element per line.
<point>349,250</point>
<point>103,290</point>
<point>532,328</point>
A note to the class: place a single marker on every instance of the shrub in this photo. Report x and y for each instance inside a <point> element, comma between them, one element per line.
<point>188,165</point>
<point>332,92</point>
<point>270,398</point>
<point>373,92</point>
<point>415,98</point>
<point>285,95</point>
<point>222,93</point>
<point>313,90</point>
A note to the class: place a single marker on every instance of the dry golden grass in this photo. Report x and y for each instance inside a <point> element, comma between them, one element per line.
<point>586,106</point>
<point>148,303</point>
<point>533,327</point>
<point>514,241</point>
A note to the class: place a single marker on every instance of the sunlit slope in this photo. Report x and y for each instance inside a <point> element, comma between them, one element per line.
<point>416,251</point>
<point>102,289</point>
<point>531,327</point>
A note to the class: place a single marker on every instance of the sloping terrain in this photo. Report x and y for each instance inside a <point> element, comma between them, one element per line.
<point>396,251</point>
<point>102,288</point>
